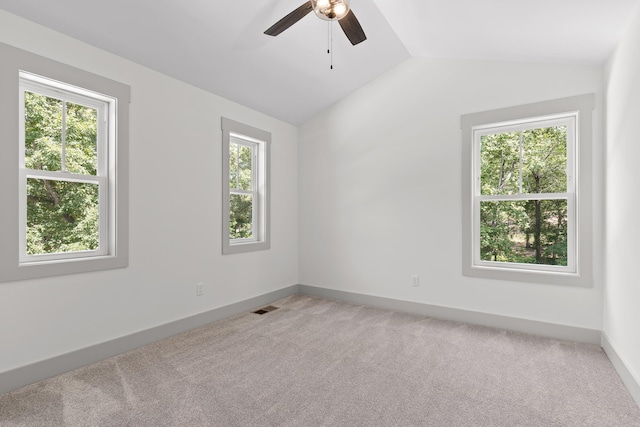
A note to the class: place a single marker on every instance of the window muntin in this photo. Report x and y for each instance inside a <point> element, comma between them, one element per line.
<point>524,194</point>
<point>245,187</point>
<point>64,175</point>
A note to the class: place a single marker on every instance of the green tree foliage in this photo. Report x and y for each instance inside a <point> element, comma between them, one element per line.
<point>62,216</point>
<point>529,162</point>
<point>240,181</point>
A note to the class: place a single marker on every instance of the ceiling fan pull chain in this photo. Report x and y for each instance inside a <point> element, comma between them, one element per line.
<point>331,41</point>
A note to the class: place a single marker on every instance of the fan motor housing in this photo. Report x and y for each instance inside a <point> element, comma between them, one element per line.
<point>331,10</point>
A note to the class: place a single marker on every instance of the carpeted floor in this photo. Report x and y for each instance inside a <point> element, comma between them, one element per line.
<point>315,362</point>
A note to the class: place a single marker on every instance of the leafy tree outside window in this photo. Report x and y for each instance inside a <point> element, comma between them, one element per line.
<point>242,188</point>
<point>62,216</point>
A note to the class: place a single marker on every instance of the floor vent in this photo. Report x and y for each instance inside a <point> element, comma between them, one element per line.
<point>266,309</point>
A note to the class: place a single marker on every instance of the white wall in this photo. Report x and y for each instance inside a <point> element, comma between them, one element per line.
<point>175,217</point>
<point>622,297</point>
<point>380,188</point>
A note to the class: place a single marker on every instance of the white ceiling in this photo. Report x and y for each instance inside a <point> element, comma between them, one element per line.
<point>219,45</point>
<point>560,31</point>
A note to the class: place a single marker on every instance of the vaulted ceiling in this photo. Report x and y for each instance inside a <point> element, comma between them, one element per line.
<point>219,45</point>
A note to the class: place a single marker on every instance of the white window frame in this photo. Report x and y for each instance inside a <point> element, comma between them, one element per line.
<point>22,71</point>
<point>570,120</point>
<point>260,143</point>
<point>575,112</point>
<point>105,107</point>
<point>254,146</point>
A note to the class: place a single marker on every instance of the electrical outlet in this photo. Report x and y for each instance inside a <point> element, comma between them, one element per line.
<point>415,280</point>
<point>200,289</point>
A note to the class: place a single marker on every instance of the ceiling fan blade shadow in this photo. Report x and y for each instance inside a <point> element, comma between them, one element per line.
<point>290,19</point>
<point>352,28</point>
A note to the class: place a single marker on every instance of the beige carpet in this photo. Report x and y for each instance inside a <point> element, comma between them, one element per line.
<point>315,362</point>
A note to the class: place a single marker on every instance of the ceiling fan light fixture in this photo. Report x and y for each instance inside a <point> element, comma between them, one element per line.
<point>331,10</point>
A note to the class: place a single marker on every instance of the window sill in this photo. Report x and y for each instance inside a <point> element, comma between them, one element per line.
<point>236,248</point>
<point>564,278</point>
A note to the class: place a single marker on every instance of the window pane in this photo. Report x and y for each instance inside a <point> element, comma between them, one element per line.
<point>526,231</point>
<point>240,216</point>
<point>244,168</point>
<point>240,165</point>
<point>61,216</point>
<point>544,160</point>
<point>500,163</point>
<point>43,132</point>
<point>233,165</point>
<point>81,145</point>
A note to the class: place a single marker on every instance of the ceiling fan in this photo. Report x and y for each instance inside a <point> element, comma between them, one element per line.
<point>329,10</point>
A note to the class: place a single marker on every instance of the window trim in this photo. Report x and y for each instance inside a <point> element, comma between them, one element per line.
<point>582,273</point>
<point>16,61</point>
<point>261,206</point>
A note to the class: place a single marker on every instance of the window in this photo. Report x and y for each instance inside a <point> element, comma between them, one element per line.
<point>524,194</point>
<point>245,182</point>
<point>68,170</point>
<point>64,178</point>
<point>527,192</point>
<point>243,189</point>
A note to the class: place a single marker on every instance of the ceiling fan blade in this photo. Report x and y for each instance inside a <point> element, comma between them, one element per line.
<point>352,28</point>
<point>290,19</point>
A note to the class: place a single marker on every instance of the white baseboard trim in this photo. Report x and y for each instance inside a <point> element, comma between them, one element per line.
<point>551,330</point>
<point>29,374</point>
<point>630,380</point>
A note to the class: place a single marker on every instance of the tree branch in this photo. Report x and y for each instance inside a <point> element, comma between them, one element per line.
<point>51,192</point>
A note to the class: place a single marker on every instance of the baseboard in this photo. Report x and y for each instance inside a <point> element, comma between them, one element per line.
<point>551,330</point>
<point>631,381</point>
<point>25,375</point>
